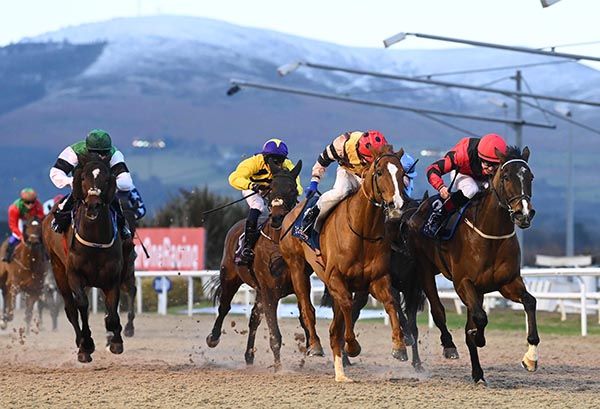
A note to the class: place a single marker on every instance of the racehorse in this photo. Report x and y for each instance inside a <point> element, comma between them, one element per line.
<point>354,255</point>
<point>483,256</point>
<point>128,281</point>
<point>269,275</point>
<point>25,273</point>
<point>90,253</point>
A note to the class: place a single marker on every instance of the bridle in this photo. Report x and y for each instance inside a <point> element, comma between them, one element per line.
<point>507,203</point>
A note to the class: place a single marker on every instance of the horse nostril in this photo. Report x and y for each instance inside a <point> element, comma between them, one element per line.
<point>531,214</point>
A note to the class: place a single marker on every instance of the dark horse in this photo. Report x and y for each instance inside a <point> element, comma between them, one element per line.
<point>25,273</point>
<point>269,275</point>
<point>355,255</point>
<point>482,257</point>
<point>90,254</point>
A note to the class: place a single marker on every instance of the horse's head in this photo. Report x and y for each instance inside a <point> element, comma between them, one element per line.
<point>283,193</point>
<point>32,231</point>
<point>93,184</point>
<point>384,182</point>
<point>512,184</point>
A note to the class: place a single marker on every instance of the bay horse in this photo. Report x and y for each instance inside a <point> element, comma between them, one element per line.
<point>482,257</point>
<point>25,273</point>
<point>128,281</point>
<point>269,275</point>
<point>90,254</point>
<point>354,255</point>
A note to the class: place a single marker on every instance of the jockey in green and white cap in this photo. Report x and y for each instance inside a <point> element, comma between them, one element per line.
<point>99,142</point>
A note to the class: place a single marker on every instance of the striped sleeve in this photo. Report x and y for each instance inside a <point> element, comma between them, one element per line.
<point>332,153</point>
<point>439,168</point>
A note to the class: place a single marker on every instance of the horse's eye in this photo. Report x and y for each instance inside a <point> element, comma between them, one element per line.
<point>379,172</point>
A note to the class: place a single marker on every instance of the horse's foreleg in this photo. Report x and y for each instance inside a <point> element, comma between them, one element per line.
<point>517,292</point>
<point>300,277</point>
<point>228,289</point>
<point>112,321</point>
<point>474,301</point>
<point>29,302</point>
<point>438,312</point>
<point>131,292</point>
<point>270,309</point>
<point>10,296</point>
<point>411,313</point>
<point>476,371</point>
<point>336,340</point>
<point>381,289</point>
<point>253,324</point>
<point>70,307</point>
<point>343,299</point>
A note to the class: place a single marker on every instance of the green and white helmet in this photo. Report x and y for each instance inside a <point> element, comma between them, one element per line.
<point>98,141</point>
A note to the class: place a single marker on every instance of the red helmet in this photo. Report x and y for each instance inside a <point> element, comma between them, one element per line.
<point>488,145</point>
<point>369,140</point>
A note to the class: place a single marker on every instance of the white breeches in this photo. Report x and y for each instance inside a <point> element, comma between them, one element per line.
<point>466,184</point>
<point>255,201</point>
<point>345,184</point>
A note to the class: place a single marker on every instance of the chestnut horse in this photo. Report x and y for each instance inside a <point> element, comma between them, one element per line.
<point>355,255</point>
<point>90,254</point>
<point>482,257</point>
<point>269,275</point>
<point>25,273</point>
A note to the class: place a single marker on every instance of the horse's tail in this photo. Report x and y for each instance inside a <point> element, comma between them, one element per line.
<point>326,299</point>
<point>212,288</point>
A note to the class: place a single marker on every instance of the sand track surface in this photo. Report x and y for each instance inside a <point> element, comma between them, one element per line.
<point>167,364</point>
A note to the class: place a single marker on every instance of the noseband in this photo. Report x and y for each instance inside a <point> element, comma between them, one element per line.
<point>508,202</point>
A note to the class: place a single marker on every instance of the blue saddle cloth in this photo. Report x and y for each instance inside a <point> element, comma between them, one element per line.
<point>451,224</point>
<point>309,235</point>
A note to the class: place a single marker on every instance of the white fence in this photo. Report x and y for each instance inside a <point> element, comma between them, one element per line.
<point>578,273</point>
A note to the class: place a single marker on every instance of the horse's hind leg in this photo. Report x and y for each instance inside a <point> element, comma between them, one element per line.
<point>253,324</point>
<point>382,291</point>
<point>438,312</point>
<point>411,313</point>
<point>300,275</point>
<point>131,292</point>
<point>229,287</point>
<point>517,292</point>
<point>112,320</point>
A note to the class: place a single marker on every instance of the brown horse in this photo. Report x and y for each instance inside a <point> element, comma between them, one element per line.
<point>483,256</point>
<point>25,273</point>
<point>89,254</point>
<point>269,275</point>
<point>355,255</point>
<point>128,281</point>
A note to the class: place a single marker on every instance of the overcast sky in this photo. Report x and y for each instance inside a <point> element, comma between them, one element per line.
<point>348,22</point>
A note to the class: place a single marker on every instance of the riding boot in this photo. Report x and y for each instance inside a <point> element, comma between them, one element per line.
<point>62,215</point>
<point>435,221</point>
<point>10,250</point>
<point>310,217</point>
<point>122,224</point>
<point>250,238</point>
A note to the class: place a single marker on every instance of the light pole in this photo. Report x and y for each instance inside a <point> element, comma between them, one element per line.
<point>570,205</point>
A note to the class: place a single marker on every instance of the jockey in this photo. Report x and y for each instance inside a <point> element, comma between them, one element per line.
<point>254,175</point>
<point>99,142</point>
<point>352,152</point>
<point>474,160</point>
<point>410,173</point>
<point>27,205</point>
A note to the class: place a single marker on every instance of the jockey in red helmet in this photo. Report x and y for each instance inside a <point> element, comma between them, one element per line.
<point>351,151</point>
<point>27,205</point>
<point>473,160</point>
<point>254,174</point>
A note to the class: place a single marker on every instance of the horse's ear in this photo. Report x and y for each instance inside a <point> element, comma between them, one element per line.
<point>426,195</point>
<point>296,170</point>
<point>77,190</point>
<point>525,154</point>
<point>400,153</point>
<point>500,155</point>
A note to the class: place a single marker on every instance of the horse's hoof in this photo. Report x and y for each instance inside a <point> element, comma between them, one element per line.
<point>3,325</point>
<point>409,340</point>
<point>249,357</point>
<point>84,357</point>
<point>480,382</point>
<point>343,378</point>
<point>418,367</point>
<point>450,353</point>
<point>352,348</point>
<point>529,365</point>
<point>116,348</point>
<point>212,342</point>
<point>315,351</point>
<point>128,331</point>
<point>345,360</point>
<point>400,354</point>
<point>277,367</point>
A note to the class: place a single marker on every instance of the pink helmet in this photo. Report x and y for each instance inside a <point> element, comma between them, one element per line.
<point>488,145</point>
<point>369,140</point>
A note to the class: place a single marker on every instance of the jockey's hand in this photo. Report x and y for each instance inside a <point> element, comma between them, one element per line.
<point>312,189</point>
<point>444,193</point>
<point>259,188</point>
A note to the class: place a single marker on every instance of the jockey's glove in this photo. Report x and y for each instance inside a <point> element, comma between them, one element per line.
<point>259,188</point>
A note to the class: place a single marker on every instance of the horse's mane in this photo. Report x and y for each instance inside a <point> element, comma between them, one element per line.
<point>513,152</point>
